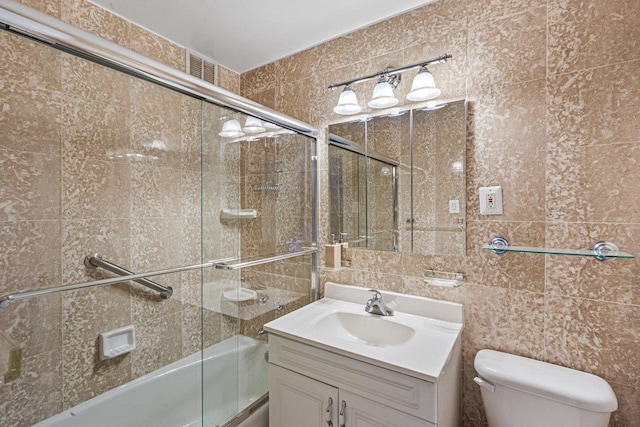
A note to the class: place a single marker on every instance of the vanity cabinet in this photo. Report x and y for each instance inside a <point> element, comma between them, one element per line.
<point>296,400</point>
<point>310,386</point>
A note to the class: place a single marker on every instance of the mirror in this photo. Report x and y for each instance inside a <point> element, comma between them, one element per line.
<point>397,181</point>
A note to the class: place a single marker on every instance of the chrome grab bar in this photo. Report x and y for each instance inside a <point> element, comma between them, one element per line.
<point>245,264</point>
<point>218,263</point>
<point>95,260</point>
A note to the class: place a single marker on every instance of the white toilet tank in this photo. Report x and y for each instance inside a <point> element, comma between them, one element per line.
<point>522,392</point>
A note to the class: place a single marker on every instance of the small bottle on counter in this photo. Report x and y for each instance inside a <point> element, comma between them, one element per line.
<point>344,245</point>
<point>333,254</point>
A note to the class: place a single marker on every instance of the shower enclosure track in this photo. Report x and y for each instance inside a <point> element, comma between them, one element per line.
<point>221,264</point>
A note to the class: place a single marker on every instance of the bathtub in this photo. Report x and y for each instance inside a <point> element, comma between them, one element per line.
<point>235,376</point>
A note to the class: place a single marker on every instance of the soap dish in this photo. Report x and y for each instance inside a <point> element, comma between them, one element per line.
<point>117,342</point>
<point>239,294</point>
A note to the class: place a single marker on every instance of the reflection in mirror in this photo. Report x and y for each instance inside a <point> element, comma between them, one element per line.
<point>426,147</point>
<point>358,180</point>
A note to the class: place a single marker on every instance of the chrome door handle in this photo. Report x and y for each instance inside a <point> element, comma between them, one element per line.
<point>343,414</point>
<point>329,413</point>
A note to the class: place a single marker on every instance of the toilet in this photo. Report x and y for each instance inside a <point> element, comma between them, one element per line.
<point>521,392</point>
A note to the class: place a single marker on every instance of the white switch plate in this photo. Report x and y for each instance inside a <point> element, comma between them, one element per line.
<point>491,200</point>
<point>454,206</point>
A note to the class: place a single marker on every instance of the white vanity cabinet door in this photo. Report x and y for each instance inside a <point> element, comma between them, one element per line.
<point>356,411</point>
<point>299,401</point>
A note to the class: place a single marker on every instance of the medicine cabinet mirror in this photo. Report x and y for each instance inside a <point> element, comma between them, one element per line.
<point>397,180</point>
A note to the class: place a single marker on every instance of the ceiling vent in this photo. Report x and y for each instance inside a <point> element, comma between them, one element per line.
<point>202,67</point>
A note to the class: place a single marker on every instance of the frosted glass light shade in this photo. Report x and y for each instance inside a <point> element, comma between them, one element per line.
<point>269,125</point>
<point>423,87</point>
<point>231,129</point>
<point>253,125</point>
<point>383,96</point>
<point>347,103</point>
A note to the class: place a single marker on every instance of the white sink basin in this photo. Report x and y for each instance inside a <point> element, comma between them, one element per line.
<point>365,328</point>
<point>418,340</point>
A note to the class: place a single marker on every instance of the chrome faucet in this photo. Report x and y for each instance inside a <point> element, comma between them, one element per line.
<point>376,306</point>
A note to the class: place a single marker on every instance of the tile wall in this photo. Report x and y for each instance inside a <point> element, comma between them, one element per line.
<point>554,100</point>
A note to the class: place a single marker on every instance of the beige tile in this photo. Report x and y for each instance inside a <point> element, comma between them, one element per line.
<point>628,406</point>
<point>420,287</point>
<point>93,189</point>
<point>596,106</point>
<point>416,264</point>
<point>86,81</point>
<point>593,184</point>
<point>378,261</point>
<point>191,330</point>
<point>303,64</point>
<point>265,97</point>
<point>228,79</point>
<point>30,120</point>
<point>156,192</point>
<point>472,407</point>
<point>508,50</point>
<point>96,20</point>
<point>156,122</point>
<point>591,34</point>
<point>291,99</point>
<point>438,19</point>
<point>159,342</point>
<point>36,244</point>
<point>191,133</point>
<point>97,131</point>
<point>38,389</point>
<point>18,51</point>
<point>155,247</point>
<point>511,270</point>
<point>157,47</point>
<point>50,7</point>
<point>89,312</point>
<point>586,277</point>
<point>259,79</point>
<point>31,186</point>
<point>81,238</point>
<point>505,320</point>
<point>506,138</point>
<point>86,376</point>
<point>154,243</point>
<point>593,336</point>
<point>491,10</point>
<point>35,324</point>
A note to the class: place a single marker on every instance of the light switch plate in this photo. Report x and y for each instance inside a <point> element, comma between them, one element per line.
<point>491,200</point>
<point>454,206</point>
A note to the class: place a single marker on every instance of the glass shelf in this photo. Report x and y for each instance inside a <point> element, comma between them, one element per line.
<point>600,250</point>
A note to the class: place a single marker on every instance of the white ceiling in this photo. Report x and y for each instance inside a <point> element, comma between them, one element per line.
<point>244,34</point>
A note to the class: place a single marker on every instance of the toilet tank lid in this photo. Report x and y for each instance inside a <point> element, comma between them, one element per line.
<point>575,388</point>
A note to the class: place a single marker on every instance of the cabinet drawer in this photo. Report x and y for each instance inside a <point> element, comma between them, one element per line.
<point>407,394</point>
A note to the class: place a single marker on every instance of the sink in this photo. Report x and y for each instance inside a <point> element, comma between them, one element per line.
<point>364,328</point>
<point>418,340</point>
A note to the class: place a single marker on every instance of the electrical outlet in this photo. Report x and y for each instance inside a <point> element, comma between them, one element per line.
<point>491,200</point>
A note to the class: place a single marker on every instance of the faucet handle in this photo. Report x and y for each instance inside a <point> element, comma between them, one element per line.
<point>376,294</point>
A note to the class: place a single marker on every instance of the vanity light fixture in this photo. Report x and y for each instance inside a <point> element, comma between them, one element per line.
<point>422,89</point>
<point>423,86</point>
<point>253,125</point>
<point>347,103</point>
<point>231,129</point>
<point>383,96</point>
